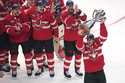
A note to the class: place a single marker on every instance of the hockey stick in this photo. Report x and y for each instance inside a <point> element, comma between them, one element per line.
<point>115,22</point>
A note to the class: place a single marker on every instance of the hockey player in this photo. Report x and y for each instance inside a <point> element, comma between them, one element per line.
<point>26,5</point>
<point>18,28</point>
<point>4,41</point>
<point>2,51</point>
<point>43,24</point>
<point>58,8</point>
<point>71,26</point>
<point>92,55</point>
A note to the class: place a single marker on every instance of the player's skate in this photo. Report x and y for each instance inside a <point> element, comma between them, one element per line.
<point>39,72</point>
<point>67,75</point>
<point>52,73</point>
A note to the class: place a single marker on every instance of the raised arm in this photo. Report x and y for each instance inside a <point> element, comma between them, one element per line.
<point>103,32</point>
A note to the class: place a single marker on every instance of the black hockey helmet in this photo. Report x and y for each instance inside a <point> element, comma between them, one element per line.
<point>41,3</point>
<point>69,3</point>
<point>57,10</point>
<point>90,37</point>
<point>15,6</point>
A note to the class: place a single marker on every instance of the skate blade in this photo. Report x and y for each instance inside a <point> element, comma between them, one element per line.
<point>81,77</point>
<point>67,78</point>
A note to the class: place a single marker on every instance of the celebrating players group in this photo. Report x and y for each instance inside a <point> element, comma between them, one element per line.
<point>34,24</point>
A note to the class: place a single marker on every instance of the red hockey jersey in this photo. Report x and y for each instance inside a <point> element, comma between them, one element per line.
<point>71,24</point>
<point>3,12</point>
<point>11,25</point>
<point>1,27</point>
<point>92,55</point>
<point>43,24</point>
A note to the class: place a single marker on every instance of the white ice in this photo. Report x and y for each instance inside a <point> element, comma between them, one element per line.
<point>113,49</point>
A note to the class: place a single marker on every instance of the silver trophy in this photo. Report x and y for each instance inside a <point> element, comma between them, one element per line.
<point>97,16</point>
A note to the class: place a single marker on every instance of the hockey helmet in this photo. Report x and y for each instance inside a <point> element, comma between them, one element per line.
<point>57,9</point>
<point>40,3</point>
<point>90,37</point>
<point>15,6</point>
<point>69,3</point>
